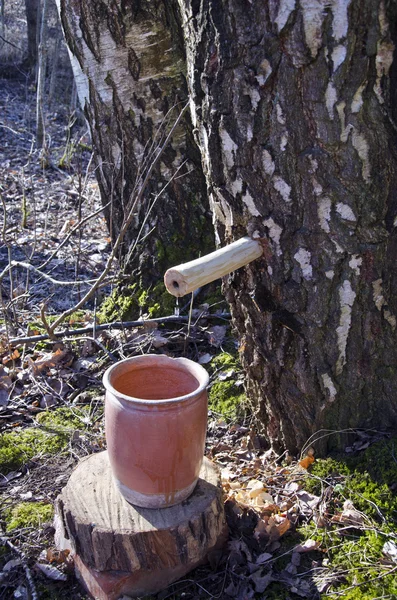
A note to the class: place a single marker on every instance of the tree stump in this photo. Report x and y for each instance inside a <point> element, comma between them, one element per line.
<point>123,549</point>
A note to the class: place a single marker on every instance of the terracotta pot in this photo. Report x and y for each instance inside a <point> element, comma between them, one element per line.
<point>156,423</point>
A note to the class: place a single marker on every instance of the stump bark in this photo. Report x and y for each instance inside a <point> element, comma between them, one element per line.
<point>123,549</point>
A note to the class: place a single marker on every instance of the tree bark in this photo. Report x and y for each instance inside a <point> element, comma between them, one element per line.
<point>292,103</point>
<point>42,67</point>
<point>129,68</point>
<point>31,8</point>
<point>293,109</point>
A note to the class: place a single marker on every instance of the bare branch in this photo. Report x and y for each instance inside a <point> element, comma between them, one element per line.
<point>10,43</point>
<point>131,207</point>
<point>117,325</point>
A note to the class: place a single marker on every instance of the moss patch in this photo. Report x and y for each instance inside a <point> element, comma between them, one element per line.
<point>128,303</point>
<point>226,398</point>
<point>64,420</point>
<point>121,305</point>
<point>28,514</point>
<point>20,445</point>
<point>368,480</point>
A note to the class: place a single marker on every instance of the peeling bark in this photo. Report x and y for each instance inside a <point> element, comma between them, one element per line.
<point>129,69</point>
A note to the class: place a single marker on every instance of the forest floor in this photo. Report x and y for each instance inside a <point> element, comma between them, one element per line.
<point>299,527</point>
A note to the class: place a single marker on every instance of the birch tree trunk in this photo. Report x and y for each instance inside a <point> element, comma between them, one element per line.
<point>129,64</point>
<point>42,66</point>
<point>294,105</point>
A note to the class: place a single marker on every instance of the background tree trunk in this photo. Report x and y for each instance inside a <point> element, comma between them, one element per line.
<point>41,73</point>
<point>293,108</point>
<point>31,8</point>
<point>129,68</point>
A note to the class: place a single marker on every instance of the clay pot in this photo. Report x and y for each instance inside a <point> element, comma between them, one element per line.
<point>156,423</point>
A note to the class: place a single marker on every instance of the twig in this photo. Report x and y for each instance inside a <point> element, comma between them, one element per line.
<point>365,582</point>
<point>11,43</point>
<point>100,345</point>
<point>10,129</point>
<point>29,576</point>
<point>71,232</point>
<point>130,213</point>
<point>104,327</point>
<point>29,267</point>
<point>90,328</point>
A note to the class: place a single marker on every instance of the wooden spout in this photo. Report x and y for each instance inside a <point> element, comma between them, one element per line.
<point>189,276</point>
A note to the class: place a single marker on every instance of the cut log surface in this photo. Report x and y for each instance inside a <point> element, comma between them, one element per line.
<point>148,548</point>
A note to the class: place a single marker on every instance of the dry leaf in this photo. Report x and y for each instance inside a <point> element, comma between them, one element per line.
<point>264,557</point>
<point>306,462</point>
<point>307,546</point>
<point>261,581</point>
<point>11,564</point>
<point>58,556</point>
<point>390,549</point>
<point>283,526</point>
<point>255,488</point>
<point>49,361</point>
<point>349,516</point>
<point>260,530</point>
<point>205,358</point>
<point>216,335</point>
<point>11,356</point>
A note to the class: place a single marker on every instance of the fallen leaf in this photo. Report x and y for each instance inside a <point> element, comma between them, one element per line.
<point>264,557</point>
<point>205,358</point>
<point>255,488</point>
<point>283,526</point>
<point>260,530</point>
<point>261,581</point>
<point>307,546</point>
<point>5,479</point>
<point>58,556</point>
<point>390,549</point>
<point>224,375</point>
<point>11,356</point>
<point>216,335</point>
<point>49,361</point>
<point>158,340</point>
<point>12,564</point>
<point>306,462</point>
<point>26,496</point>
<point>350,516</point>
<point>264,500</point>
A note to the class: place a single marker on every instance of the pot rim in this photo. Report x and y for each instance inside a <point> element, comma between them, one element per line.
<point>198,371</point>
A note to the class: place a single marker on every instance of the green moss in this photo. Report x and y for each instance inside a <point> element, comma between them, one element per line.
<point>225,397</point>
<point>19,446</point>
<point>226,360</point>
<point>143,299</point>
<point>121,305</point>
<point>365,478</point>
<point>64,420</point>
<point>368,480</point>
<point>28,514</point>
<point>162,302</point>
